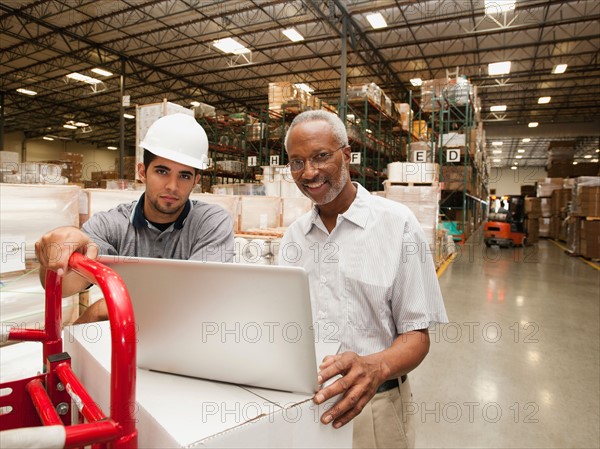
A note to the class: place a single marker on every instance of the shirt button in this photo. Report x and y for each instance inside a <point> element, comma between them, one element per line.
<point>323,280</point>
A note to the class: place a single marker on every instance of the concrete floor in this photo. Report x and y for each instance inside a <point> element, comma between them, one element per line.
<point>518,364</point>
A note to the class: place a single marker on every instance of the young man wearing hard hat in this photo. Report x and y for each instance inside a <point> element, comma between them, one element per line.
<point>163,223</point>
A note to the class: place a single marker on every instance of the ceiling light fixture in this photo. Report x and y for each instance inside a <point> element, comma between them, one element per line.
<point>513,168</point>
<point>544,100</point>
<point>533,124</point>
<point>498,143</point>
<point>129,116</point>
<point>69,126</point>
<point>498,108</point>
<point>520,151</point>
<point>515,163</point>
<point>293,35</point>
<point>499,68</point>
<point>499,6</point>
<point>81,124</point>
<point>229,45</point>
<point>497,160</point>
<point>560,68</point>
<point>497,152</point>
<point>519,157</point>
<point>594,160</point>
<point>27,91</point>
<point>376,20</point>
<point>526,140</point>
<point>83,78</point>
<point>416,82</point>
<point>575,163</point>
<point>101,72</point>
<point>112,148</point>
<point>48,138</point>
<point>587,156</point>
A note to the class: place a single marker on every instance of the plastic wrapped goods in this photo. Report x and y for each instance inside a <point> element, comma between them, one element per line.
<point>32,210</point>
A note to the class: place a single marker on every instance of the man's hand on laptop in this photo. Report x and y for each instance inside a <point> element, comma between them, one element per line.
<point>360,377</point>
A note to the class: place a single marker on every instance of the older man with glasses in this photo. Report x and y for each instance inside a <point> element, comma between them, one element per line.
<point>372,281</point>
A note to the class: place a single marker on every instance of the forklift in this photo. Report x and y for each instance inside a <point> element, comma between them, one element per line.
<point>506,222</point>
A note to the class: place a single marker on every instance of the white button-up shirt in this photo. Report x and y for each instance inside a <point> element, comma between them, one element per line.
<point>371,279</point>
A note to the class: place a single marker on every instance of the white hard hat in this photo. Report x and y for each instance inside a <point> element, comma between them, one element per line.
<point>179,138</point>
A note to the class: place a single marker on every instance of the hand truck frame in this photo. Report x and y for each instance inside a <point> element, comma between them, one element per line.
<point>45,399</point>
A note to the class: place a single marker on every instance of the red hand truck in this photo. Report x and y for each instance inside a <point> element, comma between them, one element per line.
<point>45,399</point>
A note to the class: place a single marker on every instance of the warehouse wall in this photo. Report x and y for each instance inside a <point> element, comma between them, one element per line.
<point>94,159</point>
<point>509,182</point>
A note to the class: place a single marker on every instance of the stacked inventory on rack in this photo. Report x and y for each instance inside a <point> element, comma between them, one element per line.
<point>545,190</point>
<point>449,132</point>
<point>375,133</point>
<point>533,212</point>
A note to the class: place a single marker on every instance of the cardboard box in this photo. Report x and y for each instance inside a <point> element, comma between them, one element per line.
<point>533,207</point>
<point>548,185</point>
<point>177,411</point>
<point>546,206</point>
<point>587,201</point>
<point>532,228</point>
<point>573,231</point>
<point>413,172</point>
<point>457,177</point>
<point>589,239</point>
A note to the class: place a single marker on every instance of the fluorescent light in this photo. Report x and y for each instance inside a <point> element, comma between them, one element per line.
<point>499,6</point>
<point>519,157</point>
<point>129,116</point>
<point>416,82</point>
<point>560,68</point>
<point>499,68</point>
<point>497,152</point>
<point>587,156</point>
<point>195,103</point>
<point>48,138</point>
<point>498,143</point>
<point>513,168</point>
<point>598,151</point>
<point>229,45</point>
<point>304,87</point>
<point>101,72</point>
<point>376,20</point>
<point>69,126</point>
<point>575,163</point>
<point>81,124</point>
<point>533,124</point>
<point>526,140</point>
<point>293,35</point>
<point>27,91</point>
<point>594,160</point>
<point>83,78</point>
<point>498,108</point>
<point>497,160</point>
<point>520,151</point>
<point>544,100</point>
<point>515,163</point>
<point>112,148</point>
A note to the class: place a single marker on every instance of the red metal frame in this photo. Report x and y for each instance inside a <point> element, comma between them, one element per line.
<point>34,400</point>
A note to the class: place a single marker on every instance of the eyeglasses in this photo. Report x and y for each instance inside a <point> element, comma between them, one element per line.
<point>317,161</point>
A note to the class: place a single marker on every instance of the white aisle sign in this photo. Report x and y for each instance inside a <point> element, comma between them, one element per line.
<point>453,155</point>
<point>252,161</point>
<point>273,160</point>
<point>420,156</point>
<point>355,158</point>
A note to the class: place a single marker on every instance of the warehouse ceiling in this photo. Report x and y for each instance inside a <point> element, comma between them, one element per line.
<point>165,49</point>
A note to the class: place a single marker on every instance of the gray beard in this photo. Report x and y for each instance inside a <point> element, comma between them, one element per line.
<point>335,189</point>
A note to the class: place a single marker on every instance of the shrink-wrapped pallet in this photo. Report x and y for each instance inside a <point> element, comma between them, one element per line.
<point>32,210</point>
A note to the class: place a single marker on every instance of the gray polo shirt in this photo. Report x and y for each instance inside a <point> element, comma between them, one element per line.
<point>202,232</point>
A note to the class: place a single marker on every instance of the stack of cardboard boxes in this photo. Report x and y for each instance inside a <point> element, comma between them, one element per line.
<point>533,212</point>
<point>72,166</point>
<point>544,193</point>
<point>584,220</point>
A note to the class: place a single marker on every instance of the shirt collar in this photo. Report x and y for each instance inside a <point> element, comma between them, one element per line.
<point>358,212</point>
<point>138,219</point>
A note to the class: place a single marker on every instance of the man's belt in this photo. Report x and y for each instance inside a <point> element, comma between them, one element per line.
<point>392,383</point>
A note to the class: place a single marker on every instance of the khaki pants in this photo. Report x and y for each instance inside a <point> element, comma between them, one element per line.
<point>382,423</point>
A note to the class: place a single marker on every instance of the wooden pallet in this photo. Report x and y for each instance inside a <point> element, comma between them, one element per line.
<point>413,184</point>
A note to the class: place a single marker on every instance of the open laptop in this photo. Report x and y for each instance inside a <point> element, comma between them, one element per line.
<point>244,324</point>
